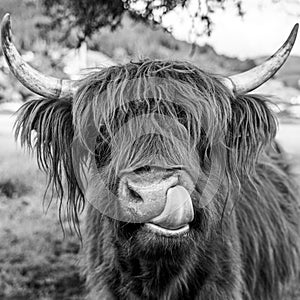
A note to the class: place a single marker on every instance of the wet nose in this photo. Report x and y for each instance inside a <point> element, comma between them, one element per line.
<point>155,197</point>
<point>142,196</point>
<point>141,191</point>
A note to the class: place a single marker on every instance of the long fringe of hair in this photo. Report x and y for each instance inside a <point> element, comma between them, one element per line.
<point>190,101</point>
<point>46,126</point>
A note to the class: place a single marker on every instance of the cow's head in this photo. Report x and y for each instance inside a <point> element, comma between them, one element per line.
<point>159,140</point>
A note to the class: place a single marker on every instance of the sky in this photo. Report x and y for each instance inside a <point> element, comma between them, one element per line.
<point>262,30</point>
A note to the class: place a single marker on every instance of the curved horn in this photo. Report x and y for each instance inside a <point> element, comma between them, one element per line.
<point>253,78</point>
<point>35,81</point>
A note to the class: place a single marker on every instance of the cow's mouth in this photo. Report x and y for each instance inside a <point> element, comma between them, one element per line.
<point>167,231</point>
<point>159,200</point>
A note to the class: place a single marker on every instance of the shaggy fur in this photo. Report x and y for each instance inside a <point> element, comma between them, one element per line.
<point>244,244</point>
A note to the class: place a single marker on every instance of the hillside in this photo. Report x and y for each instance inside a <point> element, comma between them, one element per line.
<point>130,41</point>
<point>136,40</point>
<point>289,74</point>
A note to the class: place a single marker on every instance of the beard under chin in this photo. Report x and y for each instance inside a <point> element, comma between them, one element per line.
<point>136,240</point>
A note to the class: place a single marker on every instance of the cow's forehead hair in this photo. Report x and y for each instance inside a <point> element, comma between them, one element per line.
<point>143,74</point>
<point>156,84</point>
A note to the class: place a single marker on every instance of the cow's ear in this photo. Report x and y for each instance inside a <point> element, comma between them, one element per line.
<point>252,129</point>
<point>46,127</point>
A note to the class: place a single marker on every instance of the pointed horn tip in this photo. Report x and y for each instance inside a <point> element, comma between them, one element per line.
<point>6,26</point>
<point>296,26</point>
<point>294,33</point>
<point>6,20</point>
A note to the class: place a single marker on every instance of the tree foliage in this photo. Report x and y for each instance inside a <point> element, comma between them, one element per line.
<point>88,16</point>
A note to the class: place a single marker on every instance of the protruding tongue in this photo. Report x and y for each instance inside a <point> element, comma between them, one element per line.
<point>178,210</point>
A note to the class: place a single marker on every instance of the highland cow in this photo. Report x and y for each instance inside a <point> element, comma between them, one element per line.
<point>188,194</point>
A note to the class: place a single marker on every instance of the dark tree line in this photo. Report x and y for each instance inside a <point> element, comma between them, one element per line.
<point>88,16</point>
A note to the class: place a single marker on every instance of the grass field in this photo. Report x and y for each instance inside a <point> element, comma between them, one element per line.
<point>36,260</point>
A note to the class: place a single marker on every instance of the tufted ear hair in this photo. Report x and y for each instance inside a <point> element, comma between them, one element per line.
<point>46,126</point>
<point>252,129</point>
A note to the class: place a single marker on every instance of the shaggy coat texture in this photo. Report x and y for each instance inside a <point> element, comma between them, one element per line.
<point>243,244</point>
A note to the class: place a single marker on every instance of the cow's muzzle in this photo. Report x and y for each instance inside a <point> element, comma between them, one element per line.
<point>160,198</point>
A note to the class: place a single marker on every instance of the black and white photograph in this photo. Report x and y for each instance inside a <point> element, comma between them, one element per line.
<point>149,150</point>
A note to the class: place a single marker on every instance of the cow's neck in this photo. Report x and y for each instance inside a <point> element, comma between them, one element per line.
<point>164,278</point>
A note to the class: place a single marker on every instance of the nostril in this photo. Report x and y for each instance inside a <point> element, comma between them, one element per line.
<point>135,195</point>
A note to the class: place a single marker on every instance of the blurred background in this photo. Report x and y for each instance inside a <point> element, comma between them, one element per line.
<point>65,38</point>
